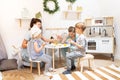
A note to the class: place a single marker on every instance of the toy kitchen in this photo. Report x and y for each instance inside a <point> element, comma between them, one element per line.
<point>100,35</point>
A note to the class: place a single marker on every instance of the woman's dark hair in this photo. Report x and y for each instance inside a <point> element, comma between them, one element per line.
<point>34,21</point>
<point>71,29</point>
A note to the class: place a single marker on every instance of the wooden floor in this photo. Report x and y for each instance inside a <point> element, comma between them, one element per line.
<point>111,72</point>
<point>100,61</point>
<point>24,74</point>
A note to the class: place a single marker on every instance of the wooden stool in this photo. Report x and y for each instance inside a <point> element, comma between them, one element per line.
<point>30,59</point>
<point>38,65</point>
<point>88,57</point>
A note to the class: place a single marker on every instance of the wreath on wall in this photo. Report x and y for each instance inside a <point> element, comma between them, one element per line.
<point>71,1</point>
<point>47,7</point>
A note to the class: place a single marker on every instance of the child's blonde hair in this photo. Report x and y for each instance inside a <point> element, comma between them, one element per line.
<point>35,31</point>
<point>80,25</point>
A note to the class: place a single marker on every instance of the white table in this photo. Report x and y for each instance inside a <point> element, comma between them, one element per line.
<point>53,47</point>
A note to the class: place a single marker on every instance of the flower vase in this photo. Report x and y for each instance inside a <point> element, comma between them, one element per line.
<point>70,6</point>
<point>24,13</point>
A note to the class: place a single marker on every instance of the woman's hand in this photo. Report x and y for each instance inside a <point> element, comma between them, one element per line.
<point>59,36</point>
<point>24,43</point>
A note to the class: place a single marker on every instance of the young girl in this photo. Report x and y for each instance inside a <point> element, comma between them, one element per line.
<point>35,47</point>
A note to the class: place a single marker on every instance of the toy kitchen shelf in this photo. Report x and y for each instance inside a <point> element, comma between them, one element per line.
<point>21,19</point>
<point>100,35</point>
<point>70,13</point>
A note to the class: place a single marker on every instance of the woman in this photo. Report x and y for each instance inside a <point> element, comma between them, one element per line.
<point>25,55</point>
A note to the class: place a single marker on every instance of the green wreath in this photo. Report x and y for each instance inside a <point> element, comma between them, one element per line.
<point>71,1</point>
<point>47,9</point>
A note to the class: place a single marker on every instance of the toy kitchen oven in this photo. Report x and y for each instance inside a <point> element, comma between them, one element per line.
<point>100,36</point>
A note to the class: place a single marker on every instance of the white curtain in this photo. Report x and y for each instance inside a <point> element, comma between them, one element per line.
<point>3,52</point>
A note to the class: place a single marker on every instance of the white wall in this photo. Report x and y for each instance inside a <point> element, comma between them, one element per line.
<point>111,8</point>
<point>13,34</point>
<point>57,19</point>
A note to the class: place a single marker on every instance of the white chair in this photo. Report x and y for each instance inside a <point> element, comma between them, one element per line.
<point>32,61</point>
<point>90,59</point>
<point>0,76</point>
<point>17,55</point>
<point>38,65</point>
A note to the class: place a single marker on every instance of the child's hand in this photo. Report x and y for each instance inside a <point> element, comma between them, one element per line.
<point>69,40</point>
<point>54,40</point>
<point>43,44</point>
<point>72,42</point>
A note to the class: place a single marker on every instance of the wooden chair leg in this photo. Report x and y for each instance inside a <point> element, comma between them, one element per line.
<point>78,64</point>
<point>38,68</point>
<point>89,63</point>
<point>93,64</point>
<point>81,67</point>
<point>31,67</point>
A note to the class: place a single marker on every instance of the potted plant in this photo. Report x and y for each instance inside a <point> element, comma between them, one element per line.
<point>70,5</point>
